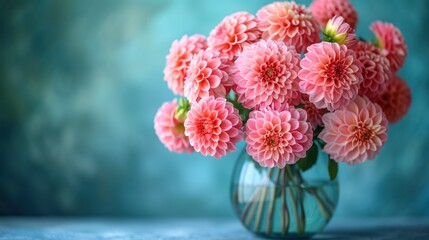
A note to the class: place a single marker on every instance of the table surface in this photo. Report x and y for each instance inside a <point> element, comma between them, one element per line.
<point>89,228</point>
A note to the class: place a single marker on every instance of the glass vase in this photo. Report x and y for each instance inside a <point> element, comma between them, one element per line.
<point>283,203</point>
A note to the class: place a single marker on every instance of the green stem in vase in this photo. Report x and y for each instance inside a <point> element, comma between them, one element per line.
<point>294,207</point>
<point>285,210</point>
<point>326,200</point>
<point>251,214</point>
<point>297,201</point>
<point>248,209</point>
<point>301,211</point>
<point>323,202</point>
<point>252,205</point>
<point>289,186</point>
<point>262,201</point>
<point>323,206</point>
<point>272,201</point>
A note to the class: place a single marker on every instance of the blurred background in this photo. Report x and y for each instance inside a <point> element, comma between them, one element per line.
<point>80,82</point>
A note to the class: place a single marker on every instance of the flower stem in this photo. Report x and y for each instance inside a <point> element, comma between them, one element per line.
<point>288,185</point>
<point>300,196</point>
<point>262,202</point>
<point>249,209</point>
<point>285,210</point>
<point>323,202</point>
<point>324,209</point>
<point>272,201</point>
<point>297,201</point>
<point>327,201</point>
<point>294,207</point>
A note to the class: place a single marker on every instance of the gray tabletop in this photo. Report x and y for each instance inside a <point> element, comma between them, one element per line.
<point>73,228</point>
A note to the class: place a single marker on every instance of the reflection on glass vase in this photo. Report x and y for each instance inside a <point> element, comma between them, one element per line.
<point>283,203</point>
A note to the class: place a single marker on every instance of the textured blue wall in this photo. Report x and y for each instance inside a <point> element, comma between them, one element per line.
<point>80,82</point>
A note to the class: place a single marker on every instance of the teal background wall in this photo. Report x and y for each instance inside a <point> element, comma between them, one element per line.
<point>80,82</point>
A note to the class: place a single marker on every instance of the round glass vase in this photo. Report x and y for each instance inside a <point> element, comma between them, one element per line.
<point>283,203</point>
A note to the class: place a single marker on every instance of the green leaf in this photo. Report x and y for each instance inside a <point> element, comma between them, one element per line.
<point>322,144</point>
<point>316,133</point>
<point>182,109</point>
<point>301,105</point>
<point>243,112</point>
<point>311,158</point>
<point>375,42</point>
<point>332,168</point>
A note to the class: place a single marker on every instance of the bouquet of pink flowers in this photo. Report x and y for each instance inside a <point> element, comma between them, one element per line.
<point>286,80</point>
<point>248,79</point>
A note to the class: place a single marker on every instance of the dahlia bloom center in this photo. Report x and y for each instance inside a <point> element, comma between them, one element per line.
<point>269,72</point>
<point>336,72</point>
<point>269,75</point>
<point>363,134</point>
<point>208,126</point>
<point>272,140</point>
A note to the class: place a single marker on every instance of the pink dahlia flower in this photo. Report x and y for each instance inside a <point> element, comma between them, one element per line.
<point>314,115</point>
<point>267,73</point>
<point>391,41</point>
<point>233,33</point>
<point>170,130</point>
<point>376,70</point>
<point>338,31</point>
<point>179,58</point>
<point>323,10</point>
<point>278,138</point>
<point>288,22</point>
<point>213,126</point>
<point>396,100</point>
<point>330,75</point>
<point>206,76</point>
<point>356,132</point>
